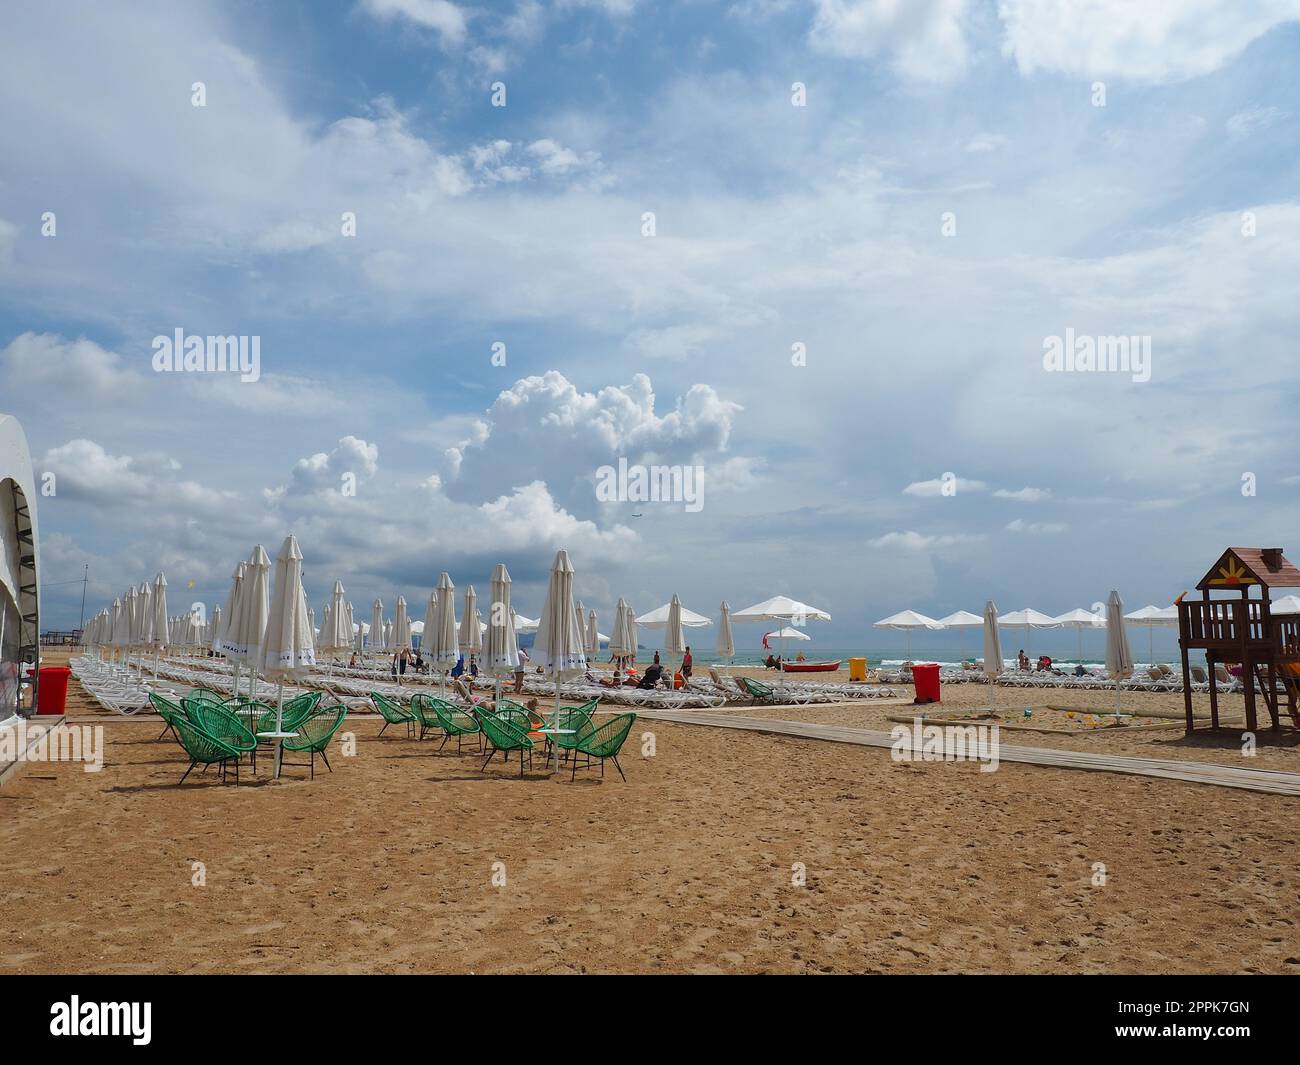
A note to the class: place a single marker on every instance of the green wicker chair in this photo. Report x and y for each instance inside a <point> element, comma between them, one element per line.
<point>503,735</point>
<point>393,713</point>
<point>455,722</point>
<point>757,691</point>
<point>205,750</point>
<point>207,695</point>
<point>166,710</point>
<point>425,717</point>
<point>603,742</point>
<point>576,718</point>
<point>314,736</point>
<point>223,724</point>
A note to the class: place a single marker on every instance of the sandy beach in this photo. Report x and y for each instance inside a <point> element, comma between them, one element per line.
<point>387,865</point>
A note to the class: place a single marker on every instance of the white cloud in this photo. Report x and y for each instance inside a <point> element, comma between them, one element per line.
<point>1253,120</point>
<point>1024,495</point>
<point>84,471</point>
<point>1155,41</point>
<point>924,38</point>
<point>915,541</point>
<point>934,488</point>
<point>986,142</point>
<point>1036,528</point>
<point>440,15</point>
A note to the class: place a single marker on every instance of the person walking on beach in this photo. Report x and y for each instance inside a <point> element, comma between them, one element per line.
<point>656,658</point>
<point>688,664</point>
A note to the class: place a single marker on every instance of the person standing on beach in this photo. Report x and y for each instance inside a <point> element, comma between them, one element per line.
<point>688,664</point>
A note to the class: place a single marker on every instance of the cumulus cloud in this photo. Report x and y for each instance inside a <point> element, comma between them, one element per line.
<point>545,427</point>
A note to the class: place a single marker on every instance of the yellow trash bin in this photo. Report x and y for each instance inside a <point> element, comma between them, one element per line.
<point>857,669</point>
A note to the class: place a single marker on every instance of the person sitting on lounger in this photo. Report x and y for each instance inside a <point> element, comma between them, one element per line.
<point>772,662</point>
<point>462,689</point>
<point>1079,671</point>
<point>650,678</point>
<point>1022,660</point>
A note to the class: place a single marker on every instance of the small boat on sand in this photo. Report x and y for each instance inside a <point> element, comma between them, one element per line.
<point>810,667</point>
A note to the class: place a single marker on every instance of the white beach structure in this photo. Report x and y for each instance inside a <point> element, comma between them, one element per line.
<point>20,578</point>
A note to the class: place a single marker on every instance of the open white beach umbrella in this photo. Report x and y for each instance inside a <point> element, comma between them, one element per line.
<point>1152,618</point>
<point>501,653</point>
<point>658,618</point>
<point>288,646</point>
<point>229,623</point>
<point>375,641</point>
<point>992,646</point>
<point>781,608</point>
<point>1288,604</point>
<point>961,619</point>
<point>1080,619</point>
<point>786,632</point>
<point>1027,619</point>
<point>558,647</point>
<point>401,625</point>
<point>1119,657</point>
<point>725,646</point>
<point>523,624</point>
<point>470,639</point>
<point>906,621</point>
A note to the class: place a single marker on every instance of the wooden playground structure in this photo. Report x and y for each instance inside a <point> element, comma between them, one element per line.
<point>1238,629</point>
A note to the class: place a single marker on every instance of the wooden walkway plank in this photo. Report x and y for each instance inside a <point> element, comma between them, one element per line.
<point>1271,781</point>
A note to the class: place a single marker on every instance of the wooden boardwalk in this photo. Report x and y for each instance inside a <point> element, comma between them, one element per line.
<point>1267,780</point>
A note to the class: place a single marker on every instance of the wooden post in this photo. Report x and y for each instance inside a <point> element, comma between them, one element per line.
<point>1187,676</point>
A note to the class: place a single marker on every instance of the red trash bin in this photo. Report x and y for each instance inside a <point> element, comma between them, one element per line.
<point>925,679</point>
<point>52,689</point>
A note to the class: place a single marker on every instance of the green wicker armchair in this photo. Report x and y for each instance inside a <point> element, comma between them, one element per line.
<point>603,742</point>
<point>504,735</point>
<point>455,722</point>
<point>166,710</point>
<point>757,691</point>
<point>314,736</point>
<point>393,712</point>
<point>223,724</point>
<point>425,717</point>
<point>205,750</point>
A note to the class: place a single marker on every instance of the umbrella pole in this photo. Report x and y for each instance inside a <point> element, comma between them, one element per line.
<point>279,727</point>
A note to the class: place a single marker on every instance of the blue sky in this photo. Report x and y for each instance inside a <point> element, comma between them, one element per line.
<point>776,225</point>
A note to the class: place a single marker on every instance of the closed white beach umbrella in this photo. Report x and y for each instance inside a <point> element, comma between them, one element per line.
<point>443,650</point>
<point>145,597</point>
<point>558,647</point>
<point>389,642</point>
<point>158,604</point>
<point>288,646</point>
<point>121,626</point>
<point>336,633</point>
<point>215,626</point>
<point>131,607</point>
<point>501,652</point>
<point>593,636</point>
<point>471,635</point>
<point>580,612</point>
<point>674,638</point>
<point>725,647</point>
<point>231,617</point>
<point>375,640</point>
<point>1119,656</point>
<point>992,646</point>
<point>254,608</point>
<point>618,640</point>
<point>430,622</point>
<point>907,621</point>
<point>401,625</point>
